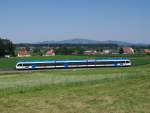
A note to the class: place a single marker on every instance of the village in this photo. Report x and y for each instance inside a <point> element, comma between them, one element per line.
<point>9,49</point>
<point>24,52</point>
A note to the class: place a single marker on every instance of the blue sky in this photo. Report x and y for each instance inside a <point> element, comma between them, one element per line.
<point>42,20</point>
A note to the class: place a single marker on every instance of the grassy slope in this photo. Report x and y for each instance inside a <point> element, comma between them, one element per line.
<point>11,62</point>
<point>106,90</point>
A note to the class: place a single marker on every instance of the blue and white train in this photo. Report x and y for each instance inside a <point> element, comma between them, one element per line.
<point>52,64</point>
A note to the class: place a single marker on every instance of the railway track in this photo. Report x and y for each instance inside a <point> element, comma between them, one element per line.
<point>13,71</point>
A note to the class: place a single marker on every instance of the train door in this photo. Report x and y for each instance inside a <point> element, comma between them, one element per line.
<point>66,65</point>
<point>33,66</point>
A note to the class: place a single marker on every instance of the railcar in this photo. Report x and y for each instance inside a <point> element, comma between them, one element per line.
<point>75,63</point>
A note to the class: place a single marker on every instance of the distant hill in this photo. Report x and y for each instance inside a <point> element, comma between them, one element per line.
<point>78,41</point>
<point>70,41</point>
<point>117,42</point>
<point>86,41</point>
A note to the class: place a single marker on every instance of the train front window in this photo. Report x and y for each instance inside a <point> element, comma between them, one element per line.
<point>127,61</point>
<point>121,61</point>
<point>19,65</point>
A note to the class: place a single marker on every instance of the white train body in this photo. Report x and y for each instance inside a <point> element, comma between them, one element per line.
<point>52,64</point>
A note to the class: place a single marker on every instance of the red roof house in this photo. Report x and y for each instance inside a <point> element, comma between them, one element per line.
<point>147,51</point>
<point>23,53</point>
<point>90,52</point>
<point>50,53</point>
<point>128,50</point>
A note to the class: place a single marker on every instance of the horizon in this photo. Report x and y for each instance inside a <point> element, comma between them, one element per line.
<point>31,21</point>
<point>81,39</point>
<point>147,43</point>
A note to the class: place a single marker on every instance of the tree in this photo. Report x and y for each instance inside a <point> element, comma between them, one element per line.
<point>121,50</point>
<point>37,51</point>
<point>6,47</point>
<point>64,51</point>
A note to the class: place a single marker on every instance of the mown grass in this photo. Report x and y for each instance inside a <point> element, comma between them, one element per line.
<point>9,63</point>
<point>100,90</point>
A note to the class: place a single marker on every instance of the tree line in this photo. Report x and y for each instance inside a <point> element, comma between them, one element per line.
<point>6,47</point>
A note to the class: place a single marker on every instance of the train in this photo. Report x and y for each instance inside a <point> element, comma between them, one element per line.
<point>73,63</point>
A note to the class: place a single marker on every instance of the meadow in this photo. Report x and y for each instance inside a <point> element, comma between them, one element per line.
<point>88,90</point>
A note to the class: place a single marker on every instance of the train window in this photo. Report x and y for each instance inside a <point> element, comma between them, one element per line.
<point>82,63</point>
<point>91,63</point>
<point>77,63</point>
<point>45,64</point>
<point>105,62</point>
<point>110,62</point>
<point>99,63</point>
<point>19,65</point>
<point>71,63</point>
<point>122,61</point>
<point>27,64</point>
<point>59,63</point>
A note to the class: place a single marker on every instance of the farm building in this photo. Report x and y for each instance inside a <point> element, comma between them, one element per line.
<point>50,52</point>
<point>23,53</point>
<point>147,51</point>
<point>99,52</point>
<point>128,50</point>
<point>107,52</point>
<point>90,52</point>
<point>75,53</point>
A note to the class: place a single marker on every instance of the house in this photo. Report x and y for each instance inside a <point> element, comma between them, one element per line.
<point>90,52</point>
<point>23,53</point>
<point>50,52</point>
<point>147,51</point>
<point>7,56</point>
<point>100,53</point>
<point>93,52</point>
<point>75,53</point>
<point>128,50</point>
<point>114,51</point>
<point>107,52</point>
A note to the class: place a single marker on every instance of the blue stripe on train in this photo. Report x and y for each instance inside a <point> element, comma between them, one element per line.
<point>73,60</point>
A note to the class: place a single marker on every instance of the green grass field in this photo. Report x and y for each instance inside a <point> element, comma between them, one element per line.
<point>100,90</point>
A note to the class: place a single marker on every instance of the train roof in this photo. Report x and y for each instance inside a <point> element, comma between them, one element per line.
<point>73,60</point>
